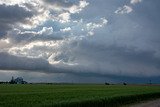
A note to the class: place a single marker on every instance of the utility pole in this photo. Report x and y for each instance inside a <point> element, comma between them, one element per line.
<point>150,82</point>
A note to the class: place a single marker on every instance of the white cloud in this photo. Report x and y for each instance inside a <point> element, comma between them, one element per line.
<point>46,31</point>
<point>78,8</point>
<point>135,1</point>
<point>63,5</point>
<point>66,29</point>
<point>4,43</point>
<point>36,49</point>
<point>56,10</point>
<point>91,33</point>
<point>40,14</point>
<point>92,26</point>
<point>34,43</point>
<point>124,10</point>
<point>11,2</point>
<point>64,17</point>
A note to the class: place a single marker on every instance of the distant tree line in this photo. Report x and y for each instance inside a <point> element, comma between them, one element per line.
<point>106,83</point>
<point>2,82</point>
<point>18,80</point>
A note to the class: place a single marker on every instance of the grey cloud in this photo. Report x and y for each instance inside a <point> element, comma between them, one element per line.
<point>111,59</point>
<point>84,56</point>
<point>11,62</point>
<point>10,15</point>
<point>14,12</point>
<point>59,3</point>
<point>31,36</point>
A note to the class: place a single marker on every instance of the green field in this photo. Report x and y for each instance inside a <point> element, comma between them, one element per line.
<point>41,95</point>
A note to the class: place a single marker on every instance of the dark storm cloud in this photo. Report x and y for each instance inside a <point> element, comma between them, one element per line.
<point>148,17</point>
<point>110,60</point>
<point>11,62</point>
<point>124,54</point>
<point>10,15</point>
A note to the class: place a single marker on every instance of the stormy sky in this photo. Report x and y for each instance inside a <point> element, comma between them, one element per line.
<point>80,40</point>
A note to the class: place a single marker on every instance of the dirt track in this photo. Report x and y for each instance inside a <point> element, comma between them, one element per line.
<point>155,103</point>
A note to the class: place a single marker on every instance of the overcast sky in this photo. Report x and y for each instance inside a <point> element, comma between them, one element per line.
<point>80,40</point>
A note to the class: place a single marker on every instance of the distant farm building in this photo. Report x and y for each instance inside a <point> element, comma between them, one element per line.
<point>18,80</point>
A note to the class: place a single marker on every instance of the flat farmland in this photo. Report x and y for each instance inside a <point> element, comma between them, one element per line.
<point>75,95</point>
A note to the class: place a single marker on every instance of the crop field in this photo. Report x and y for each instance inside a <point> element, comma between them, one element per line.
<point>41,95</point>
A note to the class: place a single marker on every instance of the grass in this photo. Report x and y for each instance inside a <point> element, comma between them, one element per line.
<point>41,95</point>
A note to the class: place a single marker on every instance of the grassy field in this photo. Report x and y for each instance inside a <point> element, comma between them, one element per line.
<point>40,95</point>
